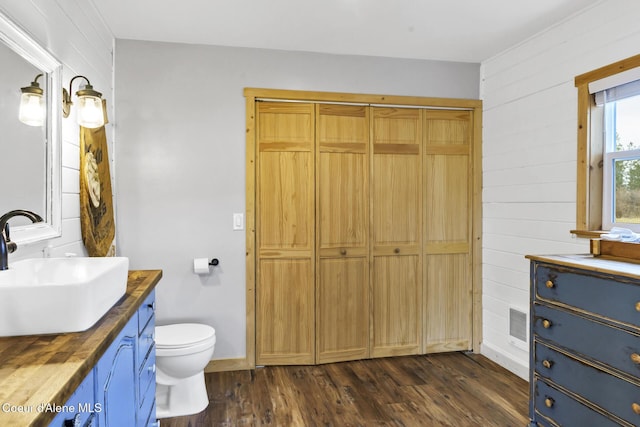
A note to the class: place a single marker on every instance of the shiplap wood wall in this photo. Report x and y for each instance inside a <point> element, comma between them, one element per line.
<point>529,164</point>
<point>74,33</point>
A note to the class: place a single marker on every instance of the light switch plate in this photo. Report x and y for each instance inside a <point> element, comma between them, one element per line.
<point>238,221</point>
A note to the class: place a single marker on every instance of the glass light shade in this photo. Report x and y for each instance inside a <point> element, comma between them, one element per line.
<point>89,112</point>
<point>32,109</point>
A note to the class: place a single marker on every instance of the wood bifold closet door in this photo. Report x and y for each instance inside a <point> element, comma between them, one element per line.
<point>285,228</point>
<point>362,232</point>
<point>447,245</point>
<point>342,177</point>
<point>397,208</point>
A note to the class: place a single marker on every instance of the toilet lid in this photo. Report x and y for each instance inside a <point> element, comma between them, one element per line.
<point>183,334</point>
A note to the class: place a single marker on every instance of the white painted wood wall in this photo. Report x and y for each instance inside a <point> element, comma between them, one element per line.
<point>74,33</point>
<point>529,154</point>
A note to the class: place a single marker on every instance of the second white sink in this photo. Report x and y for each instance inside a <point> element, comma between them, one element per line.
<point>56,295</point>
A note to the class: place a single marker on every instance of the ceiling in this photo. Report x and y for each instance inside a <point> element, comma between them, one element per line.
<point>450,30</point>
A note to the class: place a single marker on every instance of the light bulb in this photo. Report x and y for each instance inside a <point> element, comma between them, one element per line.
<point>90,114</point>
<point>32,111</point>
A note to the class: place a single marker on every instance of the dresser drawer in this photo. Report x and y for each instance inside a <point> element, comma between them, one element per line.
<point>146,340</point>
<point>563,410</point>
<point>146,311</point>
<point>598,341</point>
<point>147,377</point>
<point>609,392</point>
<point>614,298</point>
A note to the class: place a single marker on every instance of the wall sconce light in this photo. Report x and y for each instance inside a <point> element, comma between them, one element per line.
<point>90,112</point>
<point>32,108</point>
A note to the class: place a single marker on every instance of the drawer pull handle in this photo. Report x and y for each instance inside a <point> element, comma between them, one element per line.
<point>343,251</point>
<point>636,408</point>
<point>549,284</point>
<point>635,358</point>
<point>548,402</point>
<point>547,364</point>
<point>638,306</point>
<point>546,323</point>
<point>396,251</point>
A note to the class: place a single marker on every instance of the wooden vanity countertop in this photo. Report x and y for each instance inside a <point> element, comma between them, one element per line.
<point>46,369</point>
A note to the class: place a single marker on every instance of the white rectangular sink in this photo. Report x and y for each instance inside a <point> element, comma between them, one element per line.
<point>57,295</point>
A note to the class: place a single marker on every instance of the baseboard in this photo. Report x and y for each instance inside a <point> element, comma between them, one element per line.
<point>505,361</point>
<point>223,365</point>
<point>502,359</point>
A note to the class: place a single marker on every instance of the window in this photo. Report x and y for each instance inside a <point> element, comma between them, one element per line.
<point>607,140</point>
<point>620,107</point>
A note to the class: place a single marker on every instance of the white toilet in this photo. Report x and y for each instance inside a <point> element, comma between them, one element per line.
<point>182,352</point>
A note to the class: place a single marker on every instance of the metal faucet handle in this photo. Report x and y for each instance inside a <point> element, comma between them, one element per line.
<point>11,246</point>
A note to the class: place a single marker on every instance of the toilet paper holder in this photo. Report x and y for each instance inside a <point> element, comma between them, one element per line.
<point>202,266</point>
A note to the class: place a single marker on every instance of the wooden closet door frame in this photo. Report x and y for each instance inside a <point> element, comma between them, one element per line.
<point>254,94</point>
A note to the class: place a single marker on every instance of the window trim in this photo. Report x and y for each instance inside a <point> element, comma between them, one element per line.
<point>588,189</point>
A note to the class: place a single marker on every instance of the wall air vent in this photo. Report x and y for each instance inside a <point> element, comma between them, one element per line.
<point>519,328</point>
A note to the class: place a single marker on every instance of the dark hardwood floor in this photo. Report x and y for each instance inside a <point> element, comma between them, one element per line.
<point>452,389</point>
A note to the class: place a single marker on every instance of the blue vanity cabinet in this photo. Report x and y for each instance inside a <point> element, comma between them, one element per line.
<point>80,409</point>
<point>584,342</point>
<point>120,390</point>
<point>115,374</point>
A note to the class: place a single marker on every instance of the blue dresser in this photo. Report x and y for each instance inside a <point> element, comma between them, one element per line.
<point>584,342</point>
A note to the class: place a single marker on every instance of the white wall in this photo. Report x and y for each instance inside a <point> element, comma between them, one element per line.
<point>180,147</point>
<point>74,33</point>
<point>530,119</point>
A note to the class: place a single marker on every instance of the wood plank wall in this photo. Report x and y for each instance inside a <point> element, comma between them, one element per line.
<point>529,164</point>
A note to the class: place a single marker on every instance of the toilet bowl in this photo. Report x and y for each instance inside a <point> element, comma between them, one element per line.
<point>182,352</point>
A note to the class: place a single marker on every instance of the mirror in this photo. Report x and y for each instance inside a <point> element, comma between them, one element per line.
<point>31,156</point>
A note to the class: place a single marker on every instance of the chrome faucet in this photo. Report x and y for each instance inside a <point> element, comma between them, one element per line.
<point>6,245</point>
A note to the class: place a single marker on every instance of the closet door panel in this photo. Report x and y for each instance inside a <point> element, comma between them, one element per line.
<point>285,200</point>
<point>285,307</point>
<point>396,310</point>
<point>342,292</point>
<point>343,200</point>
<point>448,303</point>
<point>396,232</point>
<point>343,309</point>
<point>447,198</point>
<point>396,198</point>
<point>447,239</point>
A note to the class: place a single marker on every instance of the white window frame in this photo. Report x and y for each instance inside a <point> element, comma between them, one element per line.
<point>614,89</point>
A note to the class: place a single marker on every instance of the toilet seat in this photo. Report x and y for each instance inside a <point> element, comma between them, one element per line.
<point>183,338</point>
